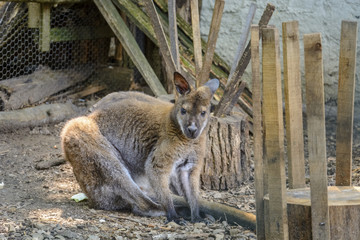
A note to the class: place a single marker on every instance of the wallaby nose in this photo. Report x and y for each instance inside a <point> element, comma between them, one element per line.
<point>192,129</point>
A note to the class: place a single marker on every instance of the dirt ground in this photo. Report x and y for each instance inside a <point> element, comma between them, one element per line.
<point>35,196</point>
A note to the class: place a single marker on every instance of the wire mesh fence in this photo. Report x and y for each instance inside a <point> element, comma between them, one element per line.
<point>78,41</point>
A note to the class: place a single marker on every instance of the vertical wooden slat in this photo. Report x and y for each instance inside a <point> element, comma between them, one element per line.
<point>316,136</point>
<point>293,105</point>
<point>127,40</point>
<point>258,135</point>
<point>345,114</point>
<point>174,46</point>
<point>211,43</point>
<point>274,134</point>
<point>34,11</point>
<point>45,27</point>
<point>195,22</point>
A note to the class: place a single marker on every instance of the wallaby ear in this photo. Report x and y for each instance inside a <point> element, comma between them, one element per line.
<point>213,84</point>
<point>182,86</point>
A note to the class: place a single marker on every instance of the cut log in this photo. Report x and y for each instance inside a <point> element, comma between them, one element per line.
<point>30,89</point>
<point>227,162</point>
<point>36,116</point>
<point>344,213</point>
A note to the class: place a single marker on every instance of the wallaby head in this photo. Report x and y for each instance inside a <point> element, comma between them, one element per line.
<point>192,107</point>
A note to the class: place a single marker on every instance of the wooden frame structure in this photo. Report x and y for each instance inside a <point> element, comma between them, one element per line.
<point>318,212</point>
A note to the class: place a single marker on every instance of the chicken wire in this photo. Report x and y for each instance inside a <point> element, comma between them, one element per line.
<point>74,40</point>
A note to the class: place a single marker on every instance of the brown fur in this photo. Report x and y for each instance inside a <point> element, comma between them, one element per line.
<point>134,148</point>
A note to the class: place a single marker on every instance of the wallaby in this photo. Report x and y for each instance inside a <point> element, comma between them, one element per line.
<point>133,150</point>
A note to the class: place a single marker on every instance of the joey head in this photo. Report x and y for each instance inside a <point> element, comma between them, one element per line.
<point>133,150</point>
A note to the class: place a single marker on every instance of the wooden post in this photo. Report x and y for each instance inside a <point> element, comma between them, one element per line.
<point>45,27</point>
<point>34,10</point>
<point>316,136</point>
<point>211,43</point>
<point>274,135</point>
<point>345,110</point>
<point>122,32</point>
<point>258,136</point>
<point>195,22</point>
<point>173,33</point>
<point>293,105</point>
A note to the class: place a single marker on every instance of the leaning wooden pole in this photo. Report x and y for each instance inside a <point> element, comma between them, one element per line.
<point>293,105</point>
<point>195,22</point>
<point>211,43</point>
<point>315,112</point>
<point>258,134</point>
<point>160,35</point>
<point>274,135</point>
<point>173,33</point>
<point>345,113</point>
<point>234,85</point>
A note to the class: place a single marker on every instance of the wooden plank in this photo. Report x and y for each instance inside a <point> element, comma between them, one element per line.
<point>195,22</point>
<point>258,136</point>
<point>274,135</point>
<point>160,35</point>
<point>293,105</point>
<point>34,11</point>
<point>173,33</point>
<point>211,43</point>
<point>316,135</point>
<point>244,36</point>
<point>345,114</point>
<point>122,32</point>
<point>45,27</point>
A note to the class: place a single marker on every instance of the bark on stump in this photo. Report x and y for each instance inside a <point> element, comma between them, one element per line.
<point>344,212</point>
<point>227,159</point>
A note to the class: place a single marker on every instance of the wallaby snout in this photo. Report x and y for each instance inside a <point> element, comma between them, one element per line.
<point>192,131</point>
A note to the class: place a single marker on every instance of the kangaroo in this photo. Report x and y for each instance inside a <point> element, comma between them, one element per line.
<point>131,152</point>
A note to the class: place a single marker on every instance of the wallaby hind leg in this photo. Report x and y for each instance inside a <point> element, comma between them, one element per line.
<point>100,170</point>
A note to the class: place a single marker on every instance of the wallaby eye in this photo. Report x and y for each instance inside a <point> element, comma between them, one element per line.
<point>183,111</point>
<point>203,113</point>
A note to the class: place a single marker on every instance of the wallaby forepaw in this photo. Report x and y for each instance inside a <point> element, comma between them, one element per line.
<point>179,221</point>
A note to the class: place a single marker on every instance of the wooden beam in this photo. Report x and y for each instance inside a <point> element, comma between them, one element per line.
<point>235,83</point>
<point>160,35</point>
<point>211,43</point>
<point>45,27</point>
<point>274,135</point>
<point>293,105</point>
<point>345,109</point>
<point>122,32</point>
<point>316,136</point>
<point>243,38</point>
<point>174,46</point>
<point>258,134</point>
<point>34,11</point>
<point>195,22</point>
<point>48,1</point>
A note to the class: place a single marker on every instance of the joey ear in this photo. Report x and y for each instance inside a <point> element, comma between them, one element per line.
<point>213,84</point>
<point>182,86</point>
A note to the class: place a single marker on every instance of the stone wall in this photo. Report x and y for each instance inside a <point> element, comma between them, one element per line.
<point>322,16</point>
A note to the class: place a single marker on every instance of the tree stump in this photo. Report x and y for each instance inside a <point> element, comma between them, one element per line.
<point>227,160</point>
<point>344,212</point>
